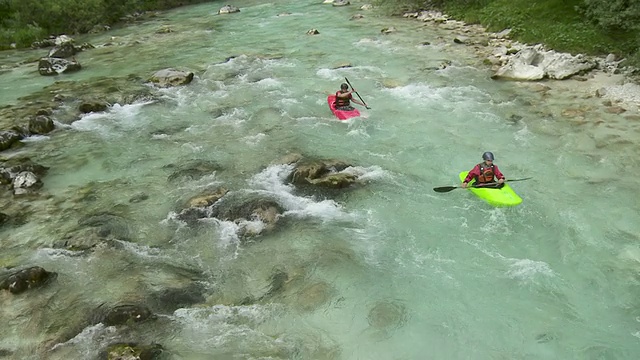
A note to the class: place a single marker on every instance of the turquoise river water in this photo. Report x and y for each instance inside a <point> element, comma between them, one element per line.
<point>391,270</point>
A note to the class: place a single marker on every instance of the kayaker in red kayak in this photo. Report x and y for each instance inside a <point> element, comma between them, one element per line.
<point>343,98</point>
<point>486,172</point>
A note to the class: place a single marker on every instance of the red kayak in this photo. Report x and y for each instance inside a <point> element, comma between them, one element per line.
<point>341,114</point>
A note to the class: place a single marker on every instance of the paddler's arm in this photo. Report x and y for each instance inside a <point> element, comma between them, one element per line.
<point>498,174</point>
<point>471,175</point>
<point>357,102</point>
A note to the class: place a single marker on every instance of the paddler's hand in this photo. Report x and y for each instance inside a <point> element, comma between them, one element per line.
<point>464,185</point>
<point>501,181</point>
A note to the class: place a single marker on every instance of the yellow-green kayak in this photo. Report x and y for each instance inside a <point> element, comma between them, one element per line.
<point>504,196</point>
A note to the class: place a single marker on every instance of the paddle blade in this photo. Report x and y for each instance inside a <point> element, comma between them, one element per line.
<point>444,189</point>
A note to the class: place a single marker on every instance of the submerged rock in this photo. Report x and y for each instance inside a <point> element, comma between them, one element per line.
<point>192,170</point>
<point>314,296</point>
<point>169,300</point>
<point>4,219</point>
<point>387,315</point>
<point>207,198</point>
<point>123,315</point>
<point>23,280</point>
<point>131,351</point>
<point>108,225</point>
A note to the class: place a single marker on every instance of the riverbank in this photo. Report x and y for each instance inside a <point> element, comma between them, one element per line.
<point>615,88</point>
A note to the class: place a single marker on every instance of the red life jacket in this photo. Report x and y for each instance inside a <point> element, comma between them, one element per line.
<point>342,101</point>
<point>486,174</point>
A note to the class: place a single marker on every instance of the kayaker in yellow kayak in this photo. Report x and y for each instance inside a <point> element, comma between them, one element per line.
<point>486,172</point>
<point>343,98</point>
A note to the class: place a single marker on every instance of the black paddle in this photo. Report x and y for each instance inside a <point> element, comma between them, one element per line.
<point>365,104</point>
<point>444,189</point>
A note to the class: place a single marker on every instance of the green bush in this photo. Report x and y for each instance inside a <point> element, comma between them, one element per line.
<point>613,14</point>
<point>22,37</point>
<point>24,21</point>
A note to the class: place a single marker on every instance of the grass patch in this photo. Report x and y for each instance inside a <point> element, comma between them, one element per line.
<point>556,23</point>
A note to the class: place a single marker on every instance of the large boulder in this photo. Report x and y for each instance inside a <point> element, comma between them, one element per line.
<point>26,183</point>
<point>324,173</point>
<point>8,138</point>
<point>171,77</point>
<point>12,167</point>
<point>63,48</point>
<point>228,9</point>
<point>41,124</point>
<point>254,213</point>
<point>534,63</point>
<point>43,43</point>
<point>54,66</point>
<point>63,51</point>
<point>89,106</point>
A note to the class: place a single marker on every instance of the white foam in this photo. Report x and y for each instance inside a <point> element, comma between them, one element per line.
<point>160,137</point>
<point>228,231</point>
<point>523,135</point>
<point>236,117</point>
<point>193,147</point>
<point>381,44</point>
<point>368,173</point>
<point>204,317</point>
<point>118,119</point>
<point>628,92</point>
<point>359,132</point>
<point>326,210</point>
<point>269,83</point>
<point>35,138</point>
<point>526,269</point>
<point>271,180</point>
<point>253,140</point>
<point>288,101</point>
<point>339,73</point>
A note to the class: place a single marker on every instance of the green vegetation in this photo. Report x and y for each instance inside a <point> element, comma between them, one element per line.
<point>25,21</point>
<point>578,26</point>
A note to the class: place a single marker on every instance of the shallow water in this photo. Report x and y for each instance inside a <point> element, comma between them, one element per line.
<point>554,278</point>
